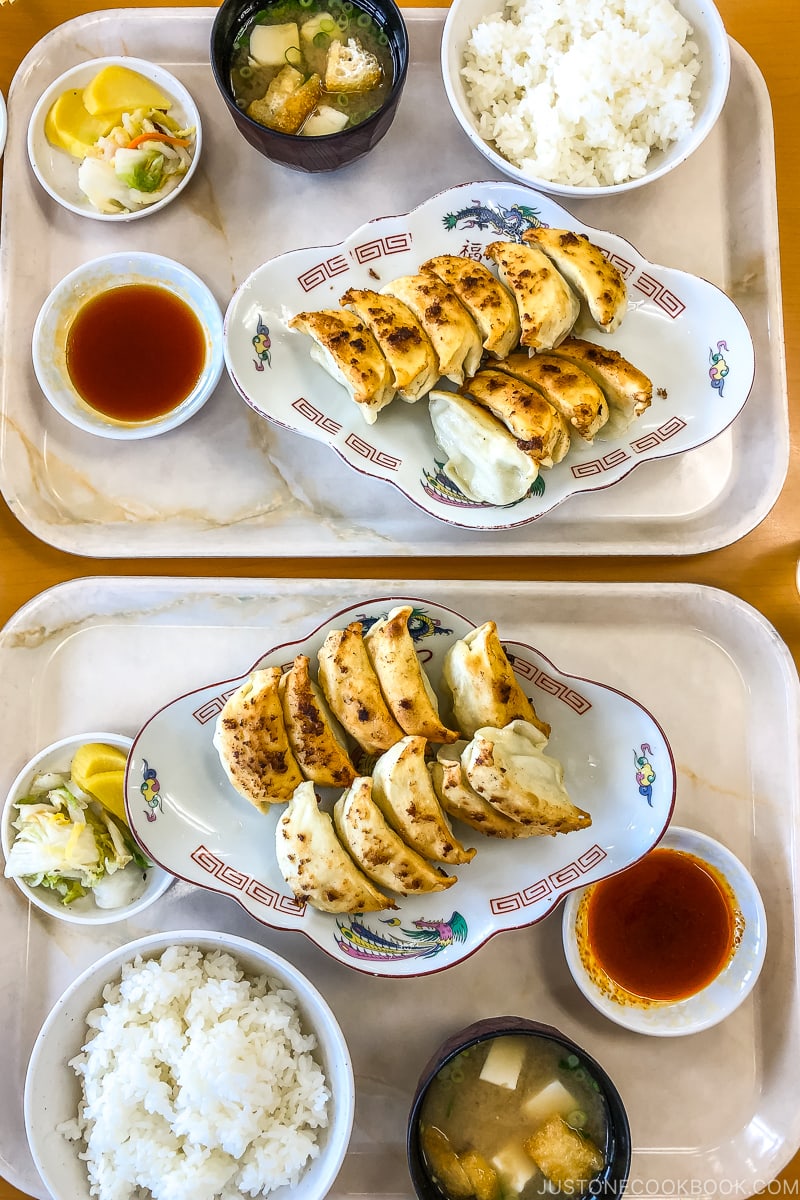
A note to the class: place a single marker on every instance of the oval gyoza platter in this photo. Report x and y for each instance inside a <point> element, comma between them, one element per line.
<point>618,767</point>
<point>683,332</point>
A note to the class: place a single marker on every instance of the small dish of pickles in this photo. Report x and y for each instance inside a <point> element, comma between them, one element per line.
<point>65,835</point>
<point>115,138</point>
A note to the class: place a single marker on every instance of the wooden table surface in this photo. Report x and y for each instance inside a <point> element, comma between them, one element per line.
<point>760,568</point>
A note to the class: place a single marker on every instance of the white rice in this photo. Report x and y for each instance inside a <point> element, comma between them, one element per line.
<point>197,1083</point>
<point>580,91</point>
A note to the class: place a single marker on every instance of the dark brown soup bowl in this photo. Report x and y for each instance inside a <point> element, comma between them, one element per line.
<point>329,151</point>
<point>609,1183</point>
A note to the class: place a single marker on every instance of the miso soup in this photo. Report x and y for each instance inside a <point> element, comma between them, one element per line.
<point>312,67</point>
<point>513,1116</point>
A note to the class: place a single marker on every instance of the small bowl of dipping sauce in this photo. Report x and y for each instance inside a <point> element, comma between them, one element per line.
<point>673,944</point>
<point>128,345</point>
<point>510,1106</point>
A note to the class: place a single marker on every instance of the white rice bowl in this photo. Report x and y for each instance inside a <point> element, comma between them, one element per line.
<point>580,92</point>
<point>198,1080</point>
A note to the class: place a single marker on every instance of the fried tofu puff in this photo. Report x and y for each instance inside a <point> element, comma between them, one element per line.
<point>318,748</point>
<point>484,687</point>
<point>566,386</point>
<point>548,308</point>
<point>566,1158</point>
<point>316,865</point>
<point>452,331</point>
<point>538,427</point>
<point>346,349</point>
<point>288,102</point>
<point>588,271</point>
<point>402,789</point>
<point>353,692</point>
<point>491,306</point>
<point>404,343</point>
<point>405,686</point>
<point>628,390</point>
<point>483,458</point>
<point>379,851</point>
<point>462,802</point>
<point>509,769</point>
<point>253,745</point>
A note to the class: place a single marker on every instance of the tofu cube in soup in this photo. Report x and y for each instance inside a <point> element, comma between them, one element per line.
<point>269,44</point>
<point>514,1166</point>
<point>554,1099</point>
<point>504,1062</point>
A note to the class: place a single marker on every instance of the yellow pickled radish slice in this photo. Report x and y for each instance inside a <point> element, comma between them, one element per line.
<point>107,787</point>
<point>116,87</point>
<point>70,126</point>
<point>95,758</point>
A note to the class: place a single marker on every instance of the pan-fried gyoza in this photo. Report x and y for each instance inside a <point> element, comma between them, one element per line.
<point>455,320</point>
<point>408,758</point>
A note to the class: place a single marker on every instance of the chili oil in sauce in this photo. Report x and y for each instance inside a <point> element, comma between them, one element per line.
<point>664,928</point>
<point>135,352</point>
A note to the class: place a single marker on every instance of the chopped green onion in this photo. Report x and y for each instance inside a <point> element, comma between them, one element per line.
<point>296,59</point>
<point>363,19</point>
<point>347,7</point>
<point>240,103</point>
<point>342,99</point>
<point>305,3</point>
<point>327,25</point>
<point>383,39</point>
<point>245,72</point>
<point>577,1119</point>
<point>457,1075</point>
<point>572,1062</point>
<point>343,23</point>
<point>321,39</point>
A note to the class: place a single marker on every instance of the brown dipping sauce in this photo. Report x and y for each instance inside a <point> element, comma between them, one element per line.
<point>664,928</point>
<point>135,352</point>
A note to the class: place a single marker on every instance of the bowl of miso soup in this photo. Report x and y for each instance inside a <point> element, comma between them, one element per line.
<point>311,84</point>
<point>511,1109</point>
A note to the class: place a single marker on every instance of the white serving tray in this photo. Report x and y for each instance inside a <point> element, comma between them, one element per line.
<point>228,483</point>
<point>711,1114</point>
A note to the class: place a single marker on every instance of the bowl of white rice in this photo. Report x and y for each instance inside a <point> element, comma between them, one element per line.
<point>190,1065</point>
<point>585,97</point>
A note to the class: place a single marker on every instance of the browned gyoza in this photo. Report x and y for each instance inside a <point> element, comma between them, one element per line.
<point>547,306</point>
<point>320,753</point>
<point>491,306</point>
<point>538,427</point>
<point>402,339</point>
<point>252,742</point>
<point>348,351</point>
<point>587,270</point>
<point>452,331</point>
<point>351,688</point>
<point>404,684</point>
<point>566,386</point>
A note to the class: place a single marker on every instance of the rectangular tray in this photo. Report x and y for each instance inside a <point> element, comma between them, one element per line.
<point>716,1110</point>
<point>229,483</point>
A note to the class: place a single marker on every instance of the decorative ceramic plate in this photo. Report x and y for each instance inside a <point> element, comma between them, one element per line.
<point>618,767</point>
<point>683,332</point>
